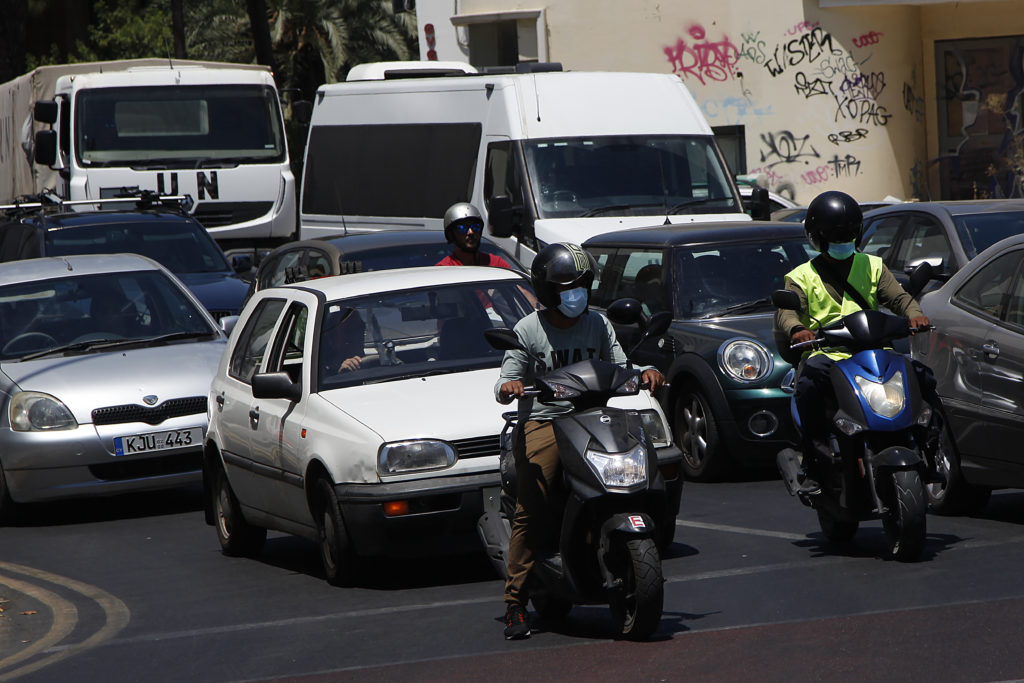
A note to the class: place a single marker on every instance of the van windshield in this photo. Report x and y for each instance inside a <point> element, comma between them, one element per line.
<point>178,127</point>
<point>628,175</point>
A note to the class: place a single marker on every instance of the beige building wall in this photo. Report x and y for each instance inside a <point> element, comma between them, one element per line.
<point>828,98</point>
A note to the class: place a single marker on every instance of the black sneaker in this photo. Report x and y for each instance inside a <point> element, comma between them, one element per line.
<point>517,627</point>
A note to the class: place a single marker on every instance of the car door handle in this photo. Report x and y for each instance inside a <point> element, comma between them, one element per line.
<point>254,417</point>
<point>220,401</point>
<point>990,348</point>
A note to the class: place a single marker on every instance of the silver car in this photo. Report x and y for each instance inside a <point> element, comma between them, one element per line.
<point>105,366</point>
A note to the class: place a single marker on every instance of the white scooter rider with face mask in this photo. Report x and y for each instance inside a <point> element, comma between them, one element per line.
<point>562,333</point>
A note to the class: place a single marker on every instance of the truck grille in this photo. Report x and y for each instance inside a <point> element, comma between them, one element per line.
<point>216,214</point>
<point>478,447</point>
<point>133,412</point>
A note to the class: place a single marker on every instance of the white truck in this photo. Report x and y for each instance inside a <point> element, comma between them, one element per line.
<point>210,130</point>
<point>547,155</point>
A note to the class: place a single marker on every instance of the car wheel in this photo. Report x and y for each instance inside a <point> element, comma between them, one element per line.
<point>237,537</point>
<point>954,495</point>
<point>335,548</point>
<point>6,503</point>
<point>704,457</point>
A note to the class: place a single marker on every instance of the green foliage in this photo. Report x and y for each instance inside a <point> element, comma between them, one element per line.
<point>126,30</point>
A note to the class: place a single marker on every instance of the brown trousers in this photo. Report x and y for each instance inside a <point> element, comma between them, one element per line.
<point>532,526</point>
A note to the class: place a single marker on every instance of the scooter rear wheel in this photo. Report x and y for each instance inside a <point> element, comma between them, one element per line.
<point>637,604</point>
<point>905,523</point>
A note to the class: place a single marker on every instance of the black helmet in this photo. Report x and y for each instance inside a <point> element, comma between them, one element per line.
<point>561,264</point>
<point>462,212</point>
<point>833,217</point>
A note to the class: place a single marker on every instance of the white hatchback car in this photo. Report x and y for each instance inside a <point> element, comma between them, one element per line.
<point>358,411</point>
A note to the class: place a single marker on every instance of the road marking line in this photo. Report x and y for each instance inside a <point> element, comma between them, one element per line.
<point>742,530</point>
<point>64,618</point>
<point>116,613</point>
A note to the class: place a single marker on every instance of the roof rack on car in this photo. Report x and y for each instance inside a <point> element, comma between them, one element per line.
<point>140,199</point>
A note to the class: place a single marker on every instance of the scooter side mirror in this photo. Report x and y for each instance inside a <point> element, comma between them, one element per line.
<point>503,339</point>
<point>922,274</point>
<point>786,299</point>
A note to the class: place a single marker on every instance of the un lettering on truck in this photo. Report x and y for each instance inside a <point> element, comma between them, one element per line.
<point>209,130</point>
<point>547,156</point>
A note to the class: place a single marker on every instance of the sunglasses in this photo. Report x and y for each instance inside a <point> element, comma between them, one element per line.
<point>475,226</point>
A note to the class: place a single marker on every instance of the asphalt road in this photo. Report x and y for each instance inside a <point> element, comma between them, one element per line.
<point>136,589</point>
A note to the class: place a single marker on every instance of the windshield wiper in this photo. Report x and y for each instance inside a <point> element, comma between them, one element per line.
<point>173,336</point>
<point>75,346</point>
<point>597,211</point>
<point>743,307</point>
<point>694,202</point>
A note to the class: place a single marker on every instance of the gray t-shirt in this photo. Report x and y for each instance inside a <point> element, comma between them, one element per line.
<point>592,337</point>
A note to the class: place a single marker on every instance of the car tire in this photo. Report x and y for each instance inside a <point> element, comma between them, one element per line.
<point>335,547</point>
<point>704,456</point>
<point>238,538</point>
<point>955,495</point>
<point>7,504</point>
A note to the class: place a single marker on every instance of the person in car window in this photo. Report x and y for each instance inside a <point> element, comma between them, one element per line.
<point>463,228</point>
<point>341,342</point>
<point>837,282</point>
<point>562,333</point>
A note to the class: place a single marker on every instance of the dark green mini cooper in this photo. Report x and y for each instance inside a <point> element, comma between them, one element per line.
<point>724,398</point>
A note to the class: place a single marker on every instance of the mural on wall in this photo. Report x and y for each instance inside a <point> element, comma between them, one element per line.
<point>833,80</point>
<point>981,131</point>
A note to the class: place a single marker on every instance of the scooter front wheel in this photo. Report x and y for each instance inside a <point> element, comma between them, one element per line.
<point>905,522</point>
<point>636,604</point>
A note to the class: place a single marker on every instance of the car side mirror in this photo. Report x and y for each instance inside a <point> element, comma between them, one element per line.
<point>275,385</point>
<point>760,204</point>
<point>227,323</point>
<point>45,147</point>
<point>505,218</point>
<point>919,277</point>
<point>241,263</point>
<point>659,323</point>
<point>786,299</point>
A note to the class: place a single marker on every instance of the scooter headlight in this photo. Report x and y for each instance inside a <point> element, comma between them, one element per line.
<point>885,398</point>
<point>629,387</point>
<point>560,391</point>
<point>621,471</point>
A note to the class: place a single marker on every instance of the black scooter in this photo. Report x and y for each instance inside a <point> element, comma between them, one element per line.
<point>616,508</point>
<point>878,425</point>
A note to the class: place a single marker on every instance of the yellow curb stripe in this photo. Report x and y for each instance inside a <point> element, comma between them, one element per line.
<point>116,612</point>
<point>64,618</point>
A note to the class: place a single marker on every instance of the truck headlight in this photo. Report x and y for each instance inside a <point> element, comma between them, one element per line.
<point>745,360</point>
<point>620,470</point>
<point>655,427</point>
<point>885,398</point>
<point>33,411</point>
<point>418,455</point>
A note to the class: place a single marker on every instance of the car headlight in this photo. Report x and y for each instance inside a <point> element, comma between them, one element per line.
<point>414,456</point>
<point>745,360</point>
<point>885,398</point>
<point>620,470</point>
<point>33,411</point>
<point>655,427</point>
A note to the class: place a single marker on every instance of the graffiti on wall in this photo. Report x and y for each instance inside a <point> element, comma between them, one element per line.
<point>699,57</point>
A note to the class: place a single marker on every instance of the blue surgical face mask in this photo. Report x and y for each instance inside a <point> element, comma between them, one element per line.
<point>841,251</point>
<point>574,302</point>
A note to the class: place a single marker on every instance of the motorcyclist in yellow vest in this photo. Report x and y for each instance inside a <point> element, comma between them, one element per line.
<point>833,225</point>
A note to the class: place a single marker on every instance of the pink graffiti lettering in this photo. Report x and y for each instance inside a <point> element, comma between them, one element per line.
<point>801,27</point>
<point>703,59</point>
<point>822,174</point>
<point>868,39</point>
<point>772,177</point>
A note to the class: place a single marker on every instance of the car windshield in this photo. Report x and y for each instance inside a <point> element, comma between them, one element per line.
<point>731,279</point>
<point>181,246</point>
<point>409,255</point>
<point>628,175</point>
<point>977,232</point>
<point>87,312</point>
<point>399,335</point>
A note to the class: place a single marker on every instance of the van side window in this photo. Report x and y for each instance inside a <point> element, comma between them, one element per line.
<point>501,176</point>
<point>412,170</point>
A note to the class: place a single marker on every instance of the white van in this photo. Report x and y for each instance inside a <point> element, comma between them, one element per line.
<point>547,155</point>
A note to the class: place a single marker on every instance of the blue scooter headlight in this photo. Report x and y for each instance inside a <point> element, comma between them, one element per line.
<point>885,398</point>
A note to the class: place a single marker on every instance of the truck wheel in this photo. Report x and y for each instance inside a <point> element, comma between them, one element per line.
<point>905,524</point>
<point>704,457</point>
<point>237,537</point>
<point>335,547</point>
<point>955,495</point>
<point>636,604</point>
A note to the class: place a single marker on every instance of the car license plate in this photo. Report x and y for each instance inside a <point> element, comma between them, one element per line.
<point>158,441</point>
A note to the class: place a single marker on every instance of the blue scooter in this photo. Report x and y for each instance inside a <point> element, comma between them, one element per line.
<point>876,465</point>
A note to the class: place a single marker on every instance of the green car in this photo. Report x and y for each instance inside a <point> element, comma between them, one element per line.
<point>725,374</point>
